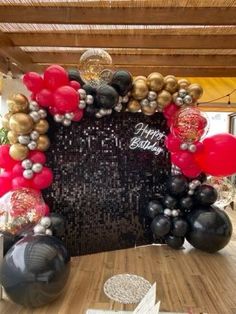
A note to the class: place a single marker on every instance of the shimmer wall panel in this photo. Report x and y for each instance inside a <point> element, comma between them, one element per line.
<point>105,172</point>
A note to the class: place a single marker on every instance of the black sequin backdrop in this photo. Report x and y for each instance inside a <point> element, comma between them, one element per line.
<point>101,186</point>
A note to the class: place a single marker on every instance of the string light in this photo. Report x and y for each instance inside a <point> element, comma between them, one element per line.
<point>219,98</point>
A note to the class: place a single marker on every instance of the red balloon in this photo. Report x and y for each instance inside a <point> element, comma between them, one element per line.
<point>43,179</point>
<point>191,172</point>
<point>21,182</point>
<point>170,110</point>
<point>42,209</point>
<point>17,170</point>
<point>5,184</point>
<point>76,85</point>
<point>172,143</point>
<point>78,115</point>
<point>6,162</point>
<point>182,159</point>
<point>55,76</point>
<point>33,96</point>
<point>66,99</point>
<point>37,157</point>
<point>217,157</point>
<point>45,98</point>
<point>33,81</point>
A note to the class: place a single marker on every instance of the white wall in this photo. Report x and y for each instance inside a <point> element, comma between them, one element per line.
<point>219,122</point>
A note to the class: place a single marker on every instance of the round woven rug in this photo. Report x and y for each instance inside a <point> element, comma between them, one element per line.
<point>126,288</point>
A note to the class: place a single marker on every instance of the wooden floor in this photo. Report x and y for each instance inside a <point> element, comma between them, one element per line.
<point>187,280</point>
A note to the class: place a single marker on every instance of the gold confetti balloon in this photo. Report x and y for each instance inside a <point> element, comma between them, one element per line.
<point>21,123</point>
<point>18,151</point>
<point>155,81</point>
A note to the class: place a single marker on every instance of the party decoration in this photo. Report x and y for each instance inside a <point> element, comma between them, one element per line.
<point>122,82</point>
<point>55,76</point>
<point>21,123</point>
<point>30,260</point>
<point>33,81</point>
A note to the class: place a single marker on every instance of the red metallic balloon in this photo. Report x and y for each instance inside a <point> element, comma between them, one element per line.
<point>55,76</point>
<point>66,99</point>
<point>33,81</point>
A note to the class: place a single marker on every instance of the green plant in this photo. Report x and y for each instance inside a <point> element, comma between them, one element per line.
<point>3,136</point>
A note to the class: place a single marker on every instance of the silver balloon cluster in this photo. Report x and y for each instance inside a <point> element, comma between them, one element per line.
<point>103,112</point>
<point>171,212</point>
<point>193,185</point>
<point>30,168</point>
<point>190,147</point>
<point>150,101</point>
<point>36,114</point>
<point>43,227</point>
<point>84,99</point>
<point>183,98</point>
<point>65,119</point>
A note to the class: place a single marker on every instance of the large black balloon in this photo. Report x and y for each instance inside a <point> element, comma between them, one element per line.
<point>154,208</point>
<point>35,270</point>
<point>179,227</point>
<point>186,203</point>
<point>174,242</point>
<point>205,195</point>
<point>161,226</point>
<point>90,90</point>
<point>210,229</point>
<point>177,185</point>
<point>74,75</point>
<point>57,225</point>
<point>8,241</point>
<point>122,82</point>
<point>169,201</point>
<point>107,97</point>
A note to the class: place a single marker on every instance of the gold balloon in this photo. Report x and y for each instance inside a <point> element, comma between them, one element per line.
<point>171,84</point>
<point>41,126</point>
<point>183,83</point>
<point>18,103</point>
<point>140,89</point>
<point>21,123</point>
<point>195,90</point>
<point>12,137</point>
<point>43,143</point>
<point>134,106</point>
<point>140,77</point>
<point>5,121</point>
<point>155,81</point>
<point>148,111</point>
<point>18,151</point>
<point>163,99</point>
<point>174,96</point>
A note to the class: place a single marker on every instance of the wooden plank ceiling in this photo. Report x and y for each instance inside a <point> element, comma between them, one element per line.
<point>180,37</point>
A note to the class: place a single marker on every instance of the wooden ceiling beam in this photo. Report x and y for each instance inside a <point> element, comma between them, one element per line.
<point>124,41</point>
<point>168,15</point>
<point>141,59</point>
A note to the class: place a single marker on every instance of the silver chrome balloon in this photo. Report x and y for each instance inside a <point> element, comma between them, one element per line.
<point>192,186</point>
<point>28,174</point>
<point>144,102</point>
<point>58,117</point>
<point>175,212</point>
<point>82,93</point>
<point>197,182</point>
<point>37,167</point>
<point>182,93</point>
<point>188,100</point>
<point>35,116</point>
<point>184,146</point>
<point>48,232</point>
<point>33,105</point>
<point>125,99</point>
<point>98,115</point>
<point>24,139</point>
<point>152,96</point>
<point>27,164</point>
<point>192,148</point>
<point>42,113</point>
<point>89,99</point>
<point>66,122</point>
<point>118,107</point>
<point>45,222</point>
<point>34,135</point>
<point>82,104</point>
<point>153,104</point>
<point>167,212</point>
<point>179,101</point>
<point>69,115</point>
<point>39,229</point>
<point>190,192</point>
<point>108,112</point>
<point>32,145</point>
<point>103,112</point>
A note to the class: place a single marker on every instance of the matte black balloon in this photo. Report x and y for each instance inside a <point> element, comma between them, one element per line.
<point>177,185</point>
<point>58,225</point>
<point>8,241</point>
<point>35,270</point>
<point>210,229</point>
<point>90,90</point>
<point>186,203</point>
<point>74,75</point>
<point>202,177</point>
<point>179,227</point>
<point>175,242</point>
<point>107,97</point>
<point>154,208</point>
<point>91,110</point>
<point>161,226</point>
<point>122,82</point>
<point>205,195</point>
<point>169,201</point>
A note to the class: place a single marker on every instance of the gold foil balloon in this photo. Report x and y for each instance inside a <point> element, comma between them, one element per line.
<point>155,81</point>
<point>195,90</point>
<point>18,151</point>
<point>21,123</point>
<point>42,126</point>
<point>163,99</point>
<point>18,103</point>
<point>134,106</point>
<point>183,83</point>
<point>140,77</point>
<point>171,84</point>
<point>140,89</point>
<point>43,143</point>
<point>148,111</point>
<point>12,137</point>
<point>5,121</point>
<point>93,64</point>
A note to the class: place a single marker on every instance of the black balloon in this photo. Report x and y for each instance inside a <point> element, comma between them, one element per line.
<point>210,229</point>
<point>179,227</point>
<point>57,225</point>
<point>74,75</point>
<point>205,195</point>
<point>90,90</point>
<point>35,270</point>
<point>186,203</point>
<point>177,185</point>
<point>107,97</point>
<point>174,242</point>
<point>122,82</point>
<point>161,226</point>
<point>91,110</point>
<point>8,241</point>
<point>154,208</point>
<point>202,177</point>
<point>169,201</point>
